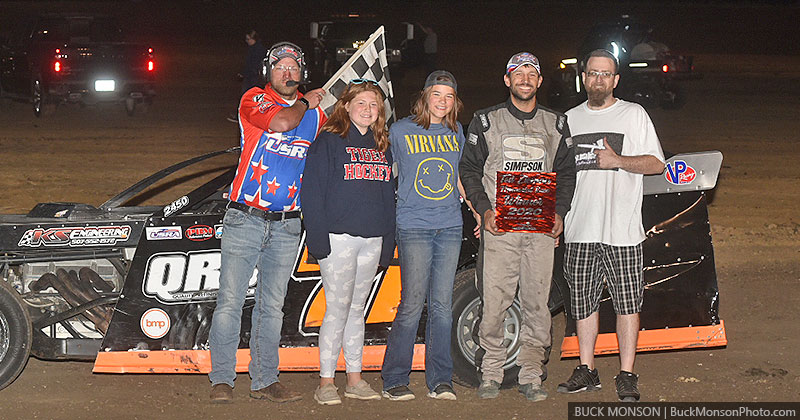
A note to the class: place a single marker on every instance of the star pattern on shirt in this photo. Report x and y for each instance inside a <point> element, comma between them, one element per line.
<point>292,189</point>
<point>255,200</point>
<point>258,169</point>
<point>272,186</point>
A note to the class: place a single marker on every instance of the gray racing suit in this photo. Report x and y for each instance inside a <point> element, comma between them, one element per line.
<point>503,138</point>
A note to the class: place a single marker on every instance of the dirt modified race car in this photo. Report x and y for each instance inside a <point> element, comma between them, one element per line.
<point>649,70</point>
<point>133,287</point>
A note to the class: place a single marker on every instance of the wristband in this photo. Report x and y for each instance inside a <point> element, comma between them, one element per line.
<point>305,101</point>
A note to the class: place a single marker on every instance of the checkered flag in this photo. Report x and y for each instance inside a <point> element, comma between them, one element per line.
<point>369,62</point>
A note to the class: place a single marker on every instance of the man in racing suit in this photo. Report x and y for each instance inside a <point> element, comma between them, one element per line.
<point>261,228</point>
<point>516,136</point>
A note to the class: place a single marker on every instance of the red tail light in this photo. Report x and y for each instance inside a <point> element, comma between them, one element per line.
<point>151,64</point>
<point>665,68</point>
<point>57,66</point>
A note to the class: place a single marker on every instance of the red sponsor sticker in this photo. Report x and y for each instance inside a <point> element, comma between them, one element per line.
<point>199,233</point>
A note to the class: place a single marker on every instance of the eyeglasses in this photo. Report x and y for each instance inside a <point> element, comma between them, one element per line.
<point>600,74</point>
<point>360,81</point>
<point>290,69</point>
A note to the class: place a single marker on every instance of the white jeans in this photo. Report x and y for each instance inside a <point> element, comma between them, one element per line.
<point>347,276</point>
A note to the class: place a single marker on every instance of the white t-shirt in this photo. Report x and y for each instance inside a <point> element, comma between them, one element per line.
<point>607,205</point>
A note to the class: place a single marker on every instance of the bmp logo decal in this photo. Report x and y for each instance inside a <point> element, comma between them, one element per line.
<point>155,323</point>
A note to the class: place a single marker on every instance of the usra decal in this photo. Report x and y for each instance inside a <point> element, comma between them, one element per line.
<point>160,233</point>
<point>218,231</point>
<point>176,205</point>
<point>155,323</point>
<point>75,236</point>
<point>290,146</point>
<point>176,277</point>
<point>199,233</point>
<point>680,173</point>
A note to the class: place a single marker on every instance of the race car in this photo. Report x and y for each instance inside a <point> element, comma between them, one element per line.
<point>133,287</point>
<point>649,70</point>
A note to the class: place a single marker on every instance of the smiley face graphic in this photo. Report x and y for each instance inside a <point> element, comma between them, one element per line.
<point>435,179</point>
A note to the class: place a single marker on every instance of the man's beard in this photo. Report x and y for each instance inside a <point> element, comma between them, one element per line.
<point>522,98</point>
<point>284,90</point>
<point>597,96</point>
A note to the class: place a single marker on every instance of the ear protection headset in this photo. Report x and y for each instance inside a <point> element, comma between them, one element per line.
<point>275,49</point>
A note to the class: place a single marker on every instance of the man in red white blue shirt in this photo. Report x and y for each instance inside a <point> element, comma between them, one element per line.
<point>261,228</point>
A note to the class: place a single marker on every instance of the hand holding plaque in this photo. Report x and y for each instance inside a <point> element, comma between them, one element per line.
<point>525,201</point>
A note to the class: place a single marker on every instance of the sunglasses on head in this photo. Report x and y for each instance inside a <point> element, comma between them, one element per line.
<point>360,81</point>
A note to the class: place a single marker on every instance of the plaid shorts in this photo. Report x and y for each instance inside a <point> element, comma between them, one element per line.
<point>589,267</point>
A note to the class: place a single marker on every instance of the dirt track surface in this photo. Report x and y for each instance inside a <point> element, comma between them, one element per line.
<point>747,106</point>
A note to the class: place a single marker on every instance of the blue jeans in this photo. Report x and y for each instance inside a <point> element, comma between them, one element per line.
<point>249,242</point>
<point>428,262</point>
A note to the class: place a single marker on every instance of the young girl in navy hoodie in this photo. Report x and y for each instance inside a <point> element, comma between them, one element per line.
<point>349,215</point>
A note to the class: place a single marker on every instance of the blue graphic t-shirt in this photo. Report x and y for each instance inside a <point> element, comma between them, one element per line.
<point>427,170</point>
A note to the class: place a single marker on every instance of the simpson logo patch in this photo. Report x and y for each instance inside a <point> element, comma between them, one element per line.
<point>472,139</point>
<point>523,154</point>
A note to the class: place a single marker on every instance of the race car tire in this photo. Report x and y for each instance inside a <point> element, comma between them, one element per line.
<point>16,335</point>
<point>43,105</point>
<point>464,339</point>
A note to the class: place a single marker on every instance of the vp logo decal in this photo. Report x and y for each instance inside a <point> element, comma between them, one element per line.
<point>435,178</point>
<point>680,173</point>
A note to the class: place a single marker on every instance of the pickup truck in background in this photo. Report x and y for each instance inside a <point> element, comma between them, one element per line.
<point>337,39</point>
<point>75,58</point>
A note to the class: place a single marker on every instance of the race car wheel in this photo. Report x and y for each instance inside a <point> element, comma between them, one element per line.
<point>464,341</point>
<point>16,335</point>
<point>42,104</point>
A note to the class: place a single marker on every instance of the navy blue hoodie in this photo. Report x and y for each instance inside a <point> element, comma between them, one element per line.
<point>348,187</point>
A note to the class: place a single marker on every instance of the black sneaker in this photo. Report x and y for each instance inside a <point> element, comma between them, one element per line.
<point>582,379</point>
<point>627,386</point>
<point>398,393</point>
<point>443,392</point>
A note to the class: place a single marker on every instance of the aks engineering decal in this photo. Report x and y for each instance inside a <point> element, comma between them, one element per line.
<point>75,236</point>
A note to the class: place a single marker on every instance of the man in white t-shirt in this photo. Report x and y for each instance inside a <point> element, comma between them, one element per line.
<point>615,144</point>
